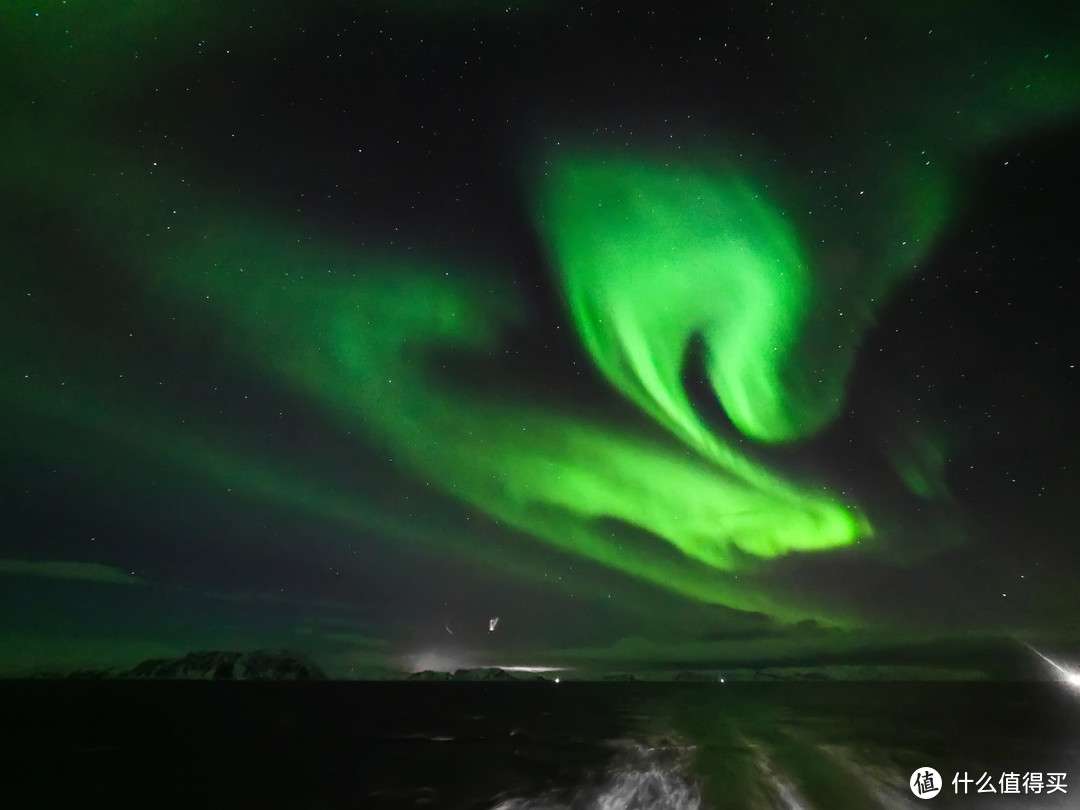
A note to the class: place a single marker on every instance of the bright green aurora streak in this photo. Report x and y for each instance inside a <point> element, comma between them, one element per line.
<point>650,259</point>
<point>362,343</point>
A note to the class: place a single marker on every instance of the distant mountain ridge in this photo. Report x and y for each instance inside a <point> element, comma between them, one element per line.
<point>486,674</point>
<point>218,665</point>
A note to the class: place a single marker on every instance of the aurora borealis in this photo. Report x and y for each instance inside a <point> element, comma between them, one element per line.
<point>666,335</point>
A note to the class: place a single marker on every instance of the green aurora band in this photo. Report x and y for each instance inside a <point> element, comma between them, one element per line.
<point>361,346</point>
<point>649,258</point>
<point>357,335</point>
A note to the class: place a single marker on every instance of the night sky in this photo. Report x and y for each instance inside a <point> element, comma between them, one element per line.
<point>673,335</point>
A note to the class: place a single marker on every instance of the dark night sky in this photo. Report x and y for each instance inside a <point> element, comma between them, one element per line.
<point>672,335</point>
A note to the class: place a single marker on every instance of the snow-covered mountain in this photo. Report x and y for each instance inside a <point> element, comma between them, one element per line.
<point>221,665</point>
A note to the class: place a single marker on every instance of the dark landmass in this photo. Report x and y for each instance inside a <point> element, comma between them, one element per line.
<point>430,675</point>
<point>793,676</point>
<point>216,665</point>
<point>697,677</point>
<point>485,674</point>
<point>286,665</point>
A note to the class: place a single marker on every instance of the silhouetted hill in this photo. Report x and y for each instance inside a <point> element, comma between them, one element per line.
<point>430,675</point>
<point>699,677</point>
<point>483,674</point>
<point>479,674</point>
<point>218,665</point>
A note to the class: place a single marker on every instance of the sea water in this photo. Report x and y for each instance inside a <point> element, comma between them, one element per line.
<point>539,746</point>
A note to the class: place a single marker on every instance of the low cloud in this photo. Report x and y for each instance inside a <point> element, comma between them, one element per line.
<point>805,646</point>
<point>88,572</point>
